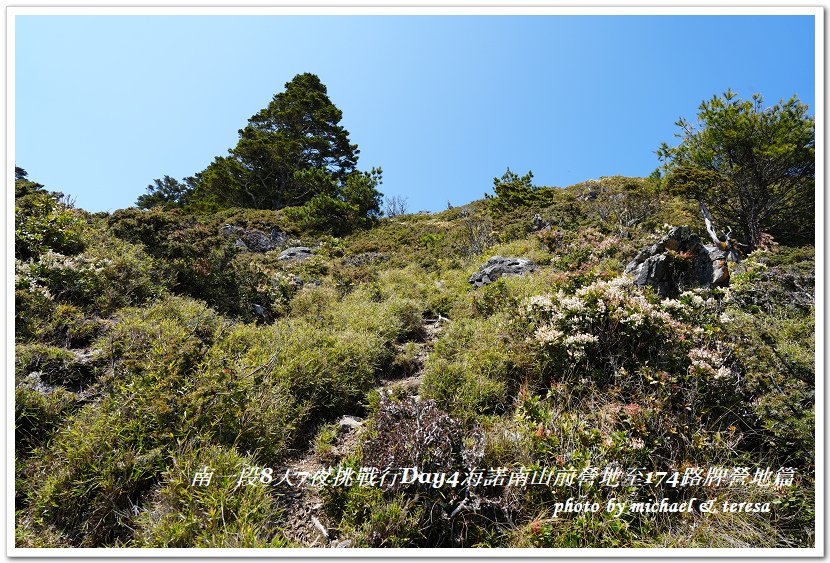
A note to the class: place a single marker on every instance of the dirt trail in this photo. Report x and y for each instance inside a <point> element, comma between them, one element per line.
<point>305,522</point>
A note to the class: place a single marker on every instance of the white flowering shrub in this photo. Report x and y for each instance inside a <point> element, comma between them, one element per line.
<point>665,359</point>
<point>105,277</point>
<point>603,327</point>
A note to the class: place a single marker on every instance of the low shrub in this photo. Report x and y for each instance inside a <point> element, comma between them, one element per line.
<point>38,412</point>
<point>181,512</point>
<point>44,221</point>
<point>472,369</point>
<point>56,366</point>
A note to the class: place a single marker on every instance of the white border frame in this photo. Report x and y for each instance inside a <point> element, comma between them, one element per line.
<point>460,8</point>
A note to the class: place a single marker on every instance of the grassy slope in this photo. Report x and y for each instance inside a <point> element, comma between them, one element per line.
<point>140,358</point>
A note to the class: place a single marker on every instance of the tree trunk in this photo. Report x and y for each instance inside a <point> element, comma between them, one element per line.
<point>732,254</point>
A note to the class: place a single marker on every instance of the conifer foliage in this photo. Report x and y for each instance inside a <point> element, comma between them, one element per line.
<point>290,152</point>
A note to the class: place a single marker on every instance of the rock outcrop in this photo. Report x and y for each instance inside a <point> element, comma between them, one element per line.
<point>365,258</point>
<point>498,266</point>
<point>539,224</point>
<point>254,240</point>
<point>679,261</point>
<point>295,253</point>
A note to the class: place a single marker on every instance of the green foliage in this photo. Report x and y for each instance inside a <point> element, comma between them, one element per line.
<point>38,413</point>
<point>369,518</point>
<point>125,385</point>
<point>96,468</point>
<point>108,275</point>
<point>471,370</point>
<point>324,442</point>
<point>217,515</point>
<point>43,221</point>
<point>167,192</point>
<point>514,191</point>
<point>195,259</point>
<point>339,211</point>
<point>604,327</point>
<point>754,167</point>
<point>624,202</point>
<point>298,133</point>
<point>771,322</point>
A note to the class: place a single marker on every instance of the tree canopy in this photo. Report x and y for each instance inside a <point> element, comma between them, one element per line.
<point>290,152</point>
<point>514,191</point>
<point>754,167</point>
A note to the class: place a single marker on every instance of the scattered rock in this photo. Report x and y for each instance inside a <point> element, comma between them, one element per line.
<point>497,267</point>
<point>365,258</point>
<point>261,312</point>
<point>320,527</point>
<point>34,382</point>
<point>539,224</point>
<point>350,423</point>
<point>254,240</point>
<point>679,261</point>
<point>295,253</point>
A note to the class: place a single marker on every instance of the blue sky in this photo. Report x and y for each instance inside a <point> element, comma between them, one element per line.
<point>105,104</point>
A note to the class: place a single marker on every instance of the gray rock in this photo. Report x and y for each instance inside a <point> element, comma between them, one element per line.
<point>349,423</point>
<point>365,258</point>
<point>261,311</point>
<point>498,266</point>
<point>538,223</point>
<point>295,253</point>
<point>254,240</point>
<point>677,262</point>
<point>34,381</point>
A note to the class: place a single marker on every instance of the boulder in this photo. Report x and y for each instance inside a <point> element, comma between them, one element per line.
<point>498,266</point>
<point>254,240</point>
<point>677,262</point>
<point>348,423</point>
<point>365,258</point>
<point>538,223</point>
<point>295,253</point>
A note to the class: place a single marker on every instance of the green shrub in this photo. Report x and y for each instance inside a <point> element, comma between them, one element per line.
<point>393,319</point>
<point>602,328</point>
<point>38,412</point>
<point>313,301</point>
<point>324,442</point>
<point>220,514</point>
<point>56,365</point>
<point>95,470</point>
<point>407,359</point>
<point>329,370</point>
<point>168,385</point>
<point>471,370</point>
<point>368,518</point>
<point>107,276</point>
<point>43,221</point>
<point>197,260</point>
<point>493,297</point>
<point>514,191</point>
<point>172,334</point>
<point>776,355</point>
<point>34,306</point>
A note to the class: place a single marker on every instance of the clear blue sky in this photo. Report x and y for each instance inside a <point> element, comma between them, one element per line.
<point>105,104</point>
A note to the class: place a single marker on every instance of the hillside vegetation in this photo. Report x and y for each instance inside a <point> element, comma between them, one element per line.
<point>151,343</point>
